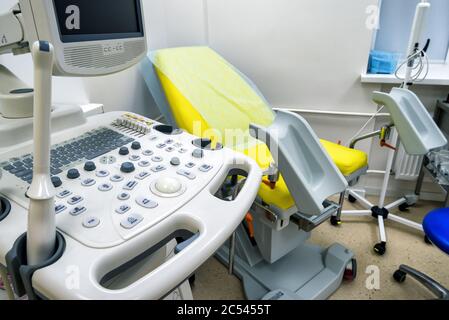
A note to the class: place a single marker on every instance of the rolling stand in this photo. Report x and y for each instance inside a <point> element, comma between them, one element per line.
<point>413,126</point>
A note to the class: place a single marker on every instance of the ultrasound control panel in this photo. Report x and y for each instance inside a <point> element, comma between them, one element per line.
<point>119,179</point>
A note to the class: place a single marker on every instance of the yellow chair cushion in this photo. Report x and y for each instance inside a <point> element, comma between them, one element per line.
<point>190,119</point>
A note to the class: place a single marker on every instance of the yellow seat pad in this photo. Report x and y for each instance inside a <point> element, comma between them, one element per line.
<point>191,119</point>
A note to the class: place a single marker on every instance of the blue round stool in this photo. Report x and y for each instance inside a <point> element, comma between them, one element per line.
<point>436,228</point>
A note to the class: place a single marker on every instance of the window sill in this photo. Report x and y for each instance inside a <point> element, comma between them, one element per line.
<point>438,76</point>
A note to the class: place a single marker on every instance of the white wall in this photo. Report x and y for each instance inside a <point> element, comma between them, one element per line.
<point>301,53</point>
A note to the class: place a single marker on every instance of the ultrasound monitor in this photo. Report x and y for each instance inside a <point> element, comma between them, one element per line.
<point>90,37</point>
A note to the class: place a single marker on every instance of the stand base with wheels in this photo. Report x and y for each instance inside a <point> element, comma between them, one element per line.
<point>381,215</point>
<point>309,272</point>
<point>437,289</point>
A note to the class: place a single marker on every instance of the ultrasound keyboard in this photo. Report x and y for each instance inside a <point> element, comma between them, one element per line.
<point>87,147</point>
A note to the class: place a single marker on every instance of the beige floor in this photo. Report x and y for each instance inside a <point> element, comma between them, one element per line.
<point>405,246</point>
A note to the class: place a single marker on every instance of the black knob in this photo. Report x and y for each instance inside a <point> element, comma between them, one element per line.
<point>57,182</point>
<point>124,151</point>
<point>127,167</point>
<point>73,174</point>
<point>175,161</point>
<point>136,145</point>
<point>90,166</point>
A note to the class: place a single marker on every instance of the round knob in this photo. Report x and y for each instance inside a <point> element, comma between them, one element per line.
<point>127,167</point>
<point>175,161</point>
<point>73,174</point>
<point>123,151</point>
<point>136,145</point>
<point>198,153</point>
<point>168,185</point>
<point>90,166</point>
<point>57,182</point>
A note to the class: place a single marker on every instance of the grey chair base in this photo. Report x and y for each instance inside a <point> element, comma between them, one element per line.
<point>437,289</point>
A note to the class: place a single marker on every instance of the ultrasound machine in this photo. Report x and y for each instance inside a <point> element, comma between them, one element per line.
<point>109,206</point>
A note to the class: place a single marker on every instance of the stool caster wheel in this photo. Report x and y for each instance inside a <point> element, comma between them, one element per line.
<point>404,207</point>
<point>399,276</point>
<point>335,221</point>
<point>380,248</point>
<point>427,240</point>
<point>351,199</point>
<point>350,273</point>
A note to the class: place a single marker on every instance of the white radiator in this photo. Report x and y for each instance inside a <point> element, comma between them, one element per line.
<point>407,167</point>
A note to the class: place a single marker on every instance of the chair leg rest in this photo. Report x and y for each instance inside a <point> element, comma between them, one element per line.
<point>437,289</point>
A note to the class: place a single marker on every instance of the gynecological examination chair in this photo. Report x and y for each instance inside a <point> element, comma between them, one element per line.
<point>198,91</point>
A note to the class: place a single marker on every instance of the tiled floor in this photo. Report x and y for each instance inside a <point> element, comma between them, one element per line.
<point>405,246</point>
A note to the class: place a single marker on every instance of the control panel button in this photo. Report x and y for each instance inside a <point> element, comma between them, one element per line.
<point>57,182</point>
<point>77,211</point>
<point>102,173</point>
<point>88,182</point>
<point>64,194</point>
<point>136,145</point>
<point>127,167</point>
<point>205,168</point>
<point>134,157</point>
<point>130,185</point>
<point>124,196</point>
<point>60,208</point>
<point>148,153</point>
<point>124,151</point>
<point>90,166</point>
<point>170,149</point>
<point>144,164</point>
<point>161,145</point>
<point>117,178</point>
<point>198,153</point>
<point>123,209</point>
<point>190,165</point>
<point>107,160</point>
<point>73,174</point>
<point>169,141</point>
<point>74,200</point>
<point>146,203</point>
<point>131,221</point>
<point>91,222</point>
<point>105,187</point>
<point>175,161</point>
<point>157,159</point>
<point>143,175</point>
<point>183,150</point>
<point>168,185</point>
<point>158,168</point>
<point>187,174</point>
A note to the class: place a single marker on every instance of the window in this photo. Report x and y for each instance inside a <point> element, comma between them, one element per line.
<point>396,19</point>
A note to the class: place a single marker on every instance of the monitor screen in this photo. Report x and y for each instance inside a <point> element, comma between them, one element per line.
<point>89,20</point>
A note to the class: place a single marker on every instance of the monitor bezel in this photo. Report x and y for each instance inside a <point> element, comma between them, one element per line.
<point>102,36</point>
